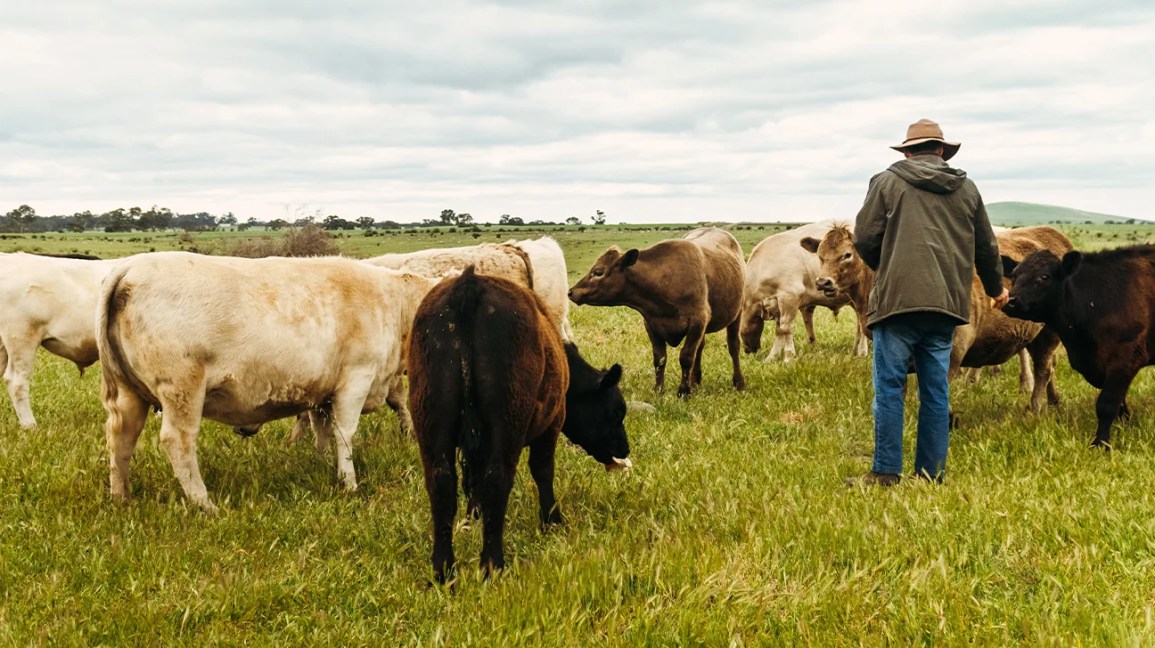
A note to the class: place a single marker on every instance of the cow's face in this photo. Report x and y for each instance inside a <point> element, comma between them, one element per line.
<point>1036,284</point>
<point>606,282</point>
<point>751,328</point>
<point>595,414</point>
<point>840,265</point>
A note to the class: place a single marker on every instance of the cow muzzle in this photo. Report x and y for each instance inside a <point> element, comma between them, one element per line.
<point>619,465</point>
<point>826,286</point>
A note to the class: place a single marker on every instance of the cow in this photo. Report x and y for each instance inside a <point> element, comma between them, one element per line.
<point>779,285</point>
<point>990,338</point>
<point>1102,306</point>
<point>537,264</point>
<point>842,272</point>
<point>684,288</point>
<point>243,342</point>
<point>489,374</point>
<point>50,302</point>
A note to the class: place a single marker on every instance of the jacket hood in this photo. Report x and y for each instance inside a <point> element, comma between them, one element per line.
<point>930,173</point>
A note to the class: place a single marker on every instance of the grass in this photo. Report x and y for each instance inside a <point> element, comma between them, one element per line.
<point>732,529</point>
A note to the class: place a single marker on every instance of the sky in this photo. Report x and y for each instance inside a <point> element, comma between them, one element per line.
<point>650,111</point>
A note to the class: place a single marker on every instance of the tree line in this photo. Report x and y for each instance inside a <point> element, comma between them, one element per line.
<point>24,219</point>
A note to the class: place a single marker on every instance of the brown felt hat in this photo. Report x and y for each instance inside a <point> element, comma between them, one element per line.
<point>925,130</point>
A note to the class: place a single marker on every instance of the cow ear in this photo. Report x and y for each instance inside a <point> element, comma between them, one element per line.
<point>629,258</point>
<point>612,378</point>
<point>1071,261</point>
<point>810,244</point>
<point>1009,265</point>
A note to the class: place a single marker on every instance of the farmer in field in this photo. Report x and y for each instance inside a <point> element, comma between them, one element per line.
<point>924,230</point>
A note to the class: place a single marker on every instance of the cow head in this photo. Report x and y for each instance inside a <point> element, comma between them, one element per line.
<point>841,266</point>
<point>1037,283</point>
<point>595,411</point>
<point>606,284</point>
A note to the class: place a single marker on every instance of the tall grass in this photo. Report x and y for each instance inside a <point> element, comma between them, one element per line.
<point>733,528</point>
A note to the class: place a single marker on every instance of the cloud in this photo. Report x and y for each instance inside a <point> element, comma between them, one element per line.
<point>650,111</point>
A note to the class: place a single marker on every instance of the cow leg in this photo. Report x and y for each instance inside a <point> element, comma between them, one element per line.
<point>784,332</point>
<point>397,400</point>
<point>696,379</point>
<point>732,346</point>
<point>1111,403</point>
<point>541,462</point>
<point>127,414</point>
<point>861,334</point>
<point>437,440</point>
<point>1042,353</point>
<point>691,348</point>
<point>17,372</point>
<point>808,321</point>
<point>345,415</point>
<point>305,422</point>
<point>1026,375</point>
<point>658,346</point>
<point>495,485</point>
<point>179,427</point>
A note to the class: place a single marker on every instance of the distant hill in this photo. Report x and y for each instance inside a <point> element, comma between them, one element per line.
<point>1020,213</point>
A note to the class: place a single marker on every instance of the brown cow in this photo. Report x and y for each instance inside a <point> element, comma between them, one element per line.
<point>991,338</point>
<point>489,374</point>
<point>684,288</point>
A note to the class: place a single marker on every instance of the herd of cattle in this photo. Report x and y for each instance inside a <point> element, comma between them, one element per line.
<point>482,333</point>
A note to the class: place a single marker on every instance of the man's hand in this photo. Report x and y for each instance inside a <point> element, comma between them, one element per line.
<point>1001,300</point>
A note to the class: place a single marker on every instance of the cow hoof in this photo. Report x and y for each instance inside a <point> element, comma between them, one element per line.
<point>1104,444</point>
<point>954,421</point>
<point>740,384</point>
<point>683,392</point>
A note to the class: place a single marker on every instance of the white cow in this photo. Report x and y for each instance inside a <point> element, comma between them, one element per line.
<point>780,282</point>
<point>537,264</point>
<point>49,302</point>
<point>245,341</point>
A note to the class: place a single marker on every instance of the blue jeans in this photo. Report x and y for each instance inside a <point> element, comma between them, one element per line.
<point>927,338</point>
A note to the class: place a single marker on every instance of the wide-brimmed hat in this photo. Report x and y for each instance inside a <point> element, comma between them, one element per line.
<point>925,130</point>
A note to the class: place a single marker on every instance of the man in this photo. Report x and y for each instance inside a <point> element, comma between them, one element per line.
<point>924,230</point>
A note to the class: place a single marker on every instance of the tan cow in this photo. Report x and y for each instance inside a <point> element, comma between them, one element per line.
<point>779,285</point>
<point>991,337</point>
<point>537,264</point>
<point>49,302</point>
<point>245,341</point>
<point>684,288</point>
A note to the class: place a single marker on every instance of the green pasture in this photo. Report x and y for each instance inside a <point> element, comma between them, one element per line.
<point>733,528</point>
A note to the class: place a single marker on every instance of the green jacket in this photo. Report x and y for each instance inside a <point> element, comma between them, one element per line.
<point>924,230</point>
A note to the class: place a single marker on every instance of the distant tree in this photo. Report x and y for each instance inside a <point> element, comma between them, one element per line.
<point>365,222</point>
<point>228,220</point>
<point>118,220</point>
<point>154,219</point>
<point>82,221</point>
<point>278,223</point>
<point>464,219</point>
<point>573,220</point>
<point>448,217</point>
<point>335,222</point>
<point>21,217</point>
<point>504,220</point>
<point>515,221</point>
<point>599,218</point>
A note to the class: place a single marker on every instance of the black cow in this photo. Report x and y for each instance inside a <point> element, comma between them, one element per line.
<point>1102,305</point>
<point>488,374</point>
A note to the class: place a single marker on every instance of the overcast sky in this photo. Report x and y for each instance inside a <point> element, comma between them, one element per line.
<point>652,111</point>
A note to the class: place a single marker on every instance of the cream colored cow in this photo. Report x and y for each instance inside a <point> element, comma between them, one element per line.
<point>47,302</point>
<point>245,341</point>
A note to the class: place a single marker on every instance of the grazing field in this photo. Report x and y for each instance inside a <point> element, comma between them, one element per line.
<point>733,528</point>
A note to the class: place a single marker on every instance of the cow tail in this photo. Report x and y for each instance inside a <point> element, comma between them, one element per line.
<point>114,370</point>
<point>465,298</point>
<point>525,260</point>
